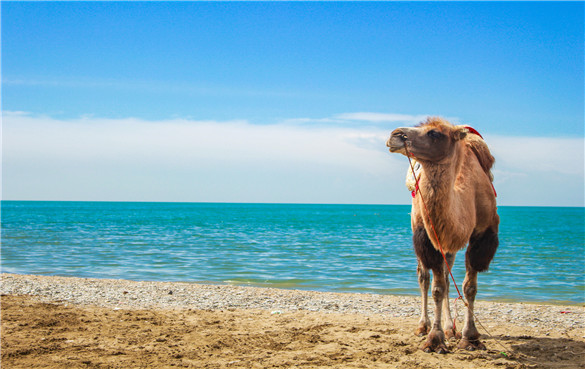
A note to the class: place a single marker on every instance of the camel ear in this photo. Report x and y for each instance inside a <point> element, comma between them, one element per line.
<point>460,133</point>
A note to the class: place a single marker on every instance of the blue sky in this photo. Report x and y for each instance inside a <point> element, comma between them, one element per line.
<point>283,102</point>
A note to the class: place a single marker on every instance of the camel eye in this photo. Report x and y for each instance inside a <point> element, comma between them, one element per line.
<point>434,134</point>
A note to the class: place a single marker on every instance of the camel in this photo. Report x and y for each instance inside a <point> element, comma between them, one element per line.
<point>455,180</point>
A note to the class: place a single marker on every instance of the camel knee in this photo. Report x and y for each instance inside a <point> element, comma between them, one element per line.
<point>438,291</point>
<point>470,290</point>
<point>424,276</point>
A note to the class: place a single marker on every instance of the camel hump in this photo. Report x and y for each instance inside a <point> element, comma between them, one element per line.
<point>481,150</point>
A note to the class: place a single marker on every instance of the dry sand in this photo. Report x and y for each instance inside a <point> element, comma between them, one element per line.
<point>56,322</point>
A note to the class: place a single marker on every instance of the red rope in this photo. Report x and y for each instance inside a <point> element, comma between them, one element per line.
<point>417,189</point>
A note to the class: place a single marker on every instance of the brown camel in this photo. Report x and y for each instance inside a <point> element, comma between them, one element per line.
<point>456,183</point>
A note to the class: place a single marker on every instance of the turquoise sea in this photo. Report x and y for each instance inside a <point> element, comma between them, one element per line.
<point>342,248</point>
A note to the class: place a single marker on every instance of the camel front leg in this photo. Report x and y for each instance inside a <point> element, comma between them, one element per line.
<point>424,280</point>
<point>436,339</point>
<point>448,328</point>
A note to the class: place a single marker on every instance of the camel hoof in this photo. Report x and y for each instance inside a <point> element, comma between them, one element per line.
<point>422,331</point>
<point>439,349</point>
<point>435,343</point>
<point>471,345</point>
<point>442,350</point>
<point>451,334</point>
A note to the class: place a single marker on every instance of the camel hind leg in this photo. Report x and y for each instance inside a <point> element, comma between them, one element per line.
<point>481,251</point>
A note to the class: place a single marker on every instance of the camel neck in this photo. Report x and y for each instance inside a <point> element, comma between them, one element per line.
<point>438,180</point>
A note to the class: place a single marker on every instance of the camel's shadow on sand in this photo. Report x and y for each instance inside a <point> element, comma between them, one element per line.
<point>543,352</point>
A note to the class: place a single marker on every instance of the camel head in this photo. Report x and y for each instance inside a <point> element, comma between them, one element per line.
<point>432,140</point>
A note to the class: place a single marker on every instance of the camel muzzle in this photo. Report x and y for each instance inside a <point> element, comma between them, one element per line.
<point>397,140</point>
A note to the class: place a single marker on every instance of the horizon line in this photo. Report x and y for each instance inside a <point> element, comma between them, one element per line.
<point>269,203</point>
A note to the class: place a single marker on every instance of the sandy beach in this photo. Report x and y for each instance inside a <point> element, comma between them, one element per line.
<point>58,322</point>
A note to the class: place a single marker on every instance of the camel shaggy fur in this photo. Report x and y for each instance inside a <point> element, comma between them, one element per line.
<point>456,183</point>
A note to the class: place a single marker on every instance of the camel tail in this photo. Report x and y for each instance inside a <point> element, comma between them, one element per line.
<point>482,152</point>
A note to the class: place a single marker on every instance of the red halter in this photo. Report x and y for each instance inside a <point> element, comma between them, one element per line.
<point>474,131</point>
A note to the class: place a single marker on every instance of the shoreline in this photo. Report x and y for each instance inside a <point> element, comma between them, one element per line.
<point>121,293</point>
<point>81,322</point>
<point>236,284</point>
<point>125,294</point>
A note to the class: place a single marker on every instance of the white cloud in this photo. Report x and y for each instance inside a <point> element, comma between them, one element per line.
<point>540,154</point>
<point>539,170</point>
<point>189,160</point>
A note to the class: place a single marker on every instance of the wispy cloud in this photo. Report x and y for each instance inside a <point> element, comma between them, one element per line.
<point>368,118</point>
<point>381,117</point>
<point>145,85</point>
<point>361,118</point>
